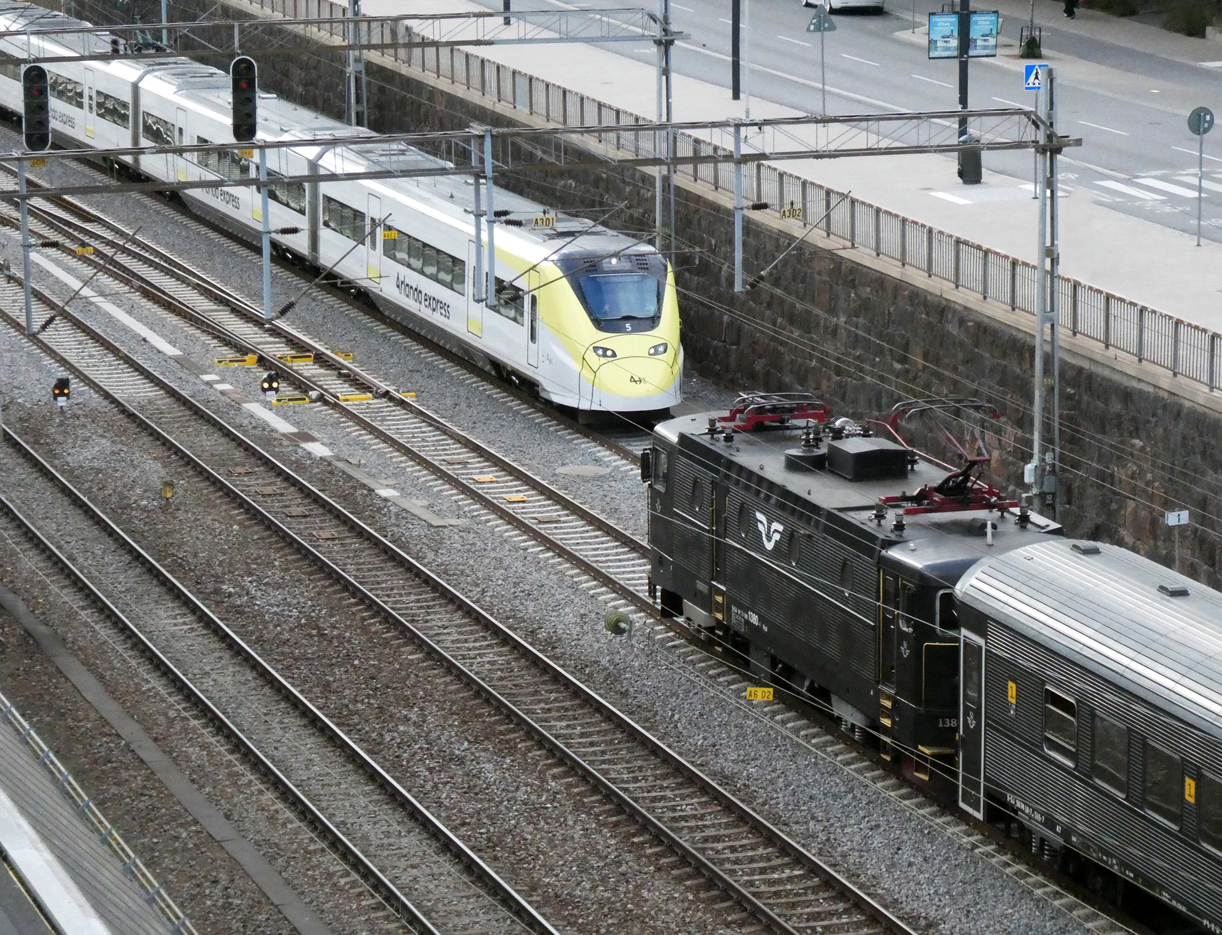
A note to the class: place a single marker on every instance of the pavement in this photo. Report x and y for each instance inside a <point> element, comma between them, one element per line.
<point>1126,255</point>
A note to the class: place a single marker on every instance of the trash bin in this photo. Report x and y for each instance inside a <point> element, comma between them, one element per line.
<point>970,169</point>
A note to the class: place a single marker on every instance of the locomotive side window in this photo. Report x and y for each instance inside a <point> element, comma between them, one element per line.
<point>1209,810</point>
<point>697,491</point>
<point>659,469</point>
<point>1110,765</point>
<point>1164,784</point>
<point>744,521</point>
<point>947,615</point>
<point>846,577</point>
<point>795,549</point>
<point>1060,726</point>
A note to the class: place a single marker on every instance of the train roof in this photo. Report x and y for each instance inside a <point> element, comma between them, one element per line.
<point>1141,626</point>
<point>939,545</point>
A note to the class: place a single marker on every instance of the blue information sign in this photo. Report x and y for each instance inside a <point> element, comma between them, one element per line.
<point>944,35</point>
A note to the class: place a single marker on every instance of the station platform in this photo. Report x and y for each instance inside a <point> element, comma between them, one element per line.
<point>68,871</point>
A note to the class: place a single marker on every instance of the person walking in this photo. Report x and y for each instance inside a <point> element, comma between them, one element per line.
<point>1070,7</point>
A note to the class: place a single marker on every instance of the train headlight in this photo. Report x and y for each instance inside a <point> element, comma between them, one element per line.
<point>659,349</point>
<point>605,352</point>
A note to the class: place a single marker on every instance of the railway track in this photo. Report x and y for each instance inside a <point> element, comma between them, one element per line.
<point>614,558</point>
<point>377,829</point>
<point>758,867</point>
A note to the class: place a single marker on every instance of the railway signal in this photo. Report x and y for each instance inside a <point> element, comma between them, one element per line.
<point>36,115</point>
<point>244,78</point>
<point>271,384</point>
<point>60,391</point>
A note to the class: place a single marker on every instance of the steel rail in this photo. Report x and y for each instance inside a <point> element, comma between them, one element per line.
<point>782,845</point>
<point>351,854</point>
<point>152,255</point>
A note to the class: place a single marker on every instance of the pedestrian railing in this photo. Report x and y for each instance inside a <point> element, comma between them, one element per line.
<point>1148,335</point>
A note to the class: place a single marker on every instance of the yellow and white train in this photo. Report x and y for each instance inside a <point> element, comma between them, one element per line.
<point>587,316</point>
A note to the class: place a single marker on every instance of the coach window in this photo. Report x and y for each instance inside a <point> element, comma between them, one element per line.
<point>1164,784</point>
<point>429,270</point>
<point>511,302</point>
<point>445,269</point>
<point>1110,766</point>
<point>1209,810</point>
<point>1060,726</point>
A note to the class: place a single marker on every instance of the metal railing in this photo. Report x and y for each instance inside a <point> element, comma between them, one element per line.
<point>94,820</point>
<point>1147,335</point>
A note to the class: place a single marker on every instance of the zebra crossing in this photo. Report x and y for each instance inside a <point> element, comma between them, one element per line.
<point>1150,188</point>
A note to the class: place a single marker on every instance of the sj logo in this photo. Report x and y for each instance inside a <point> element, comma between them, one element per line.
<point>769,534</point>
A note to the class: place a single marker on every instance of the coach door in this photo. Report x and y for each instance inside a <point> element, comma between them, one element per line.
<point>532,329</point>
<point>971,725</point>
<point>91,107</point>
<point>180,134</point>
<point>475,310</point>
<point>373,243</point>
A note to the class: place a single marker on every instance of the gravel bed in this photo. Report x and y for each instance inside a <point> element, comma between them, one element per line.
<point>547,833</point>
<point>909,864</point>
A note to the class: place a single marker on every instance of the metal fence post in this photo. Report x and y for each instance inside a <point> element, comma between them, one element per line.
<point>1073,308</point>
<point>904,243</point>
<point>1213,357</point>
<point>1013,284</point>
<point>878,231</point>
<point>984,274</point>
<point>1107,321</point>
<point>827,212</point>
<point>929,252</point>
<point>1141,334</point>
<point>1176,326</point>
<point>955,268</point>
<point>852,222</point>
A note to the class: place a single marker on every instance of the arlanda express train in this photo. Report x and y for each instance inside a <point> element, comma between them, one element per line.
<point>586,316</point>
<point>1075,685</point>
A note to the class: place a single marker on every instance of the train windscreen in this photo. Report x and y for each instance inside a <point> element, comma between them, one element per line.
<point>619,293</point>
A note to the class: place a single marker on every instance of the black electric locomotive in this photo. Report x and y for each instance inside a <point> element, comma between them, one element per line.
<point>1073,684</point>
<point>797,539</point>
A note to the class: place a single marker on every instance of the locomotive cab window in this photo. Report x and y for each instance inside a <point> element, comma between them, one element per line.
<point>1164,784</point>
<point>1110,766</point>
<point>1060,726</point>
<point>1209,810</point>
<point>947,617</point>
<point>659,469</point>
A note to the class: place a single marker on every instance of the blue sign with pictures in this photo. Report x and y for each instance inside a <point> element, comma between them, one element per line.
<point>982,38</point>
<point>1033,77</point>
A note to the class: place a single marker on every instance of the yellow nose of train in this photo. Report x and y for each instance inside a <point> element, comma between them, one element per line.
<point>620,369</point>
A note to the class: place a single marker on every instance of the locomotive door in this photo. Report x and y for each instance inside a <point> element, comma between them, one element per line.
<point>91,107</point>
<point>719,507</point>
<point>180,134</point>
<point>373,242</point>
<point>888,612</point>
<point>475,310</point>
<point>971,726</point>
<point>532,328</point>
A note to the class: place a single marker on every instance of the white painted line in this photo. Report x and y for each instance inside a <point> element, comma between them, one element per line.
<point>953,199</point>
<point>1193,152</point>
<point>387,492</point>
<point>1108,129</point>
<point>685,9</point>
<point>318,448</point>
<point>222,386</point>
<point>933,81</point>
<point>1002,100</point>
<point>1205,183</point>
<point>743,27</point>
<point>796,42</point>
<point>1210,64</point>
<point>269,417</point>
<point>209,377</point>
<point>58,893</point>
<point>1168,187</point>
<point>1132,192</point>
<point>75,284</point>
<point>864,61</point>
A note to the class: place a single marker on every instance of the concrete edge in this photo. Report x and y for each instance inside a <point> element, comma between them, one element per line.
<point>264,875</point>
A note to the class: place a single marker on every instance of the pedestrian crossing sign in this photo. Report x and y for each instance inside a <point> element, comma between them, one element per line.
<point>1033,78</point>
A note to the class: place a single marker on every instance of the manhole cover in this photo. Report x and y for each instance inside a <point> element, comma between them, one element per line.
<point>583,470</point>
